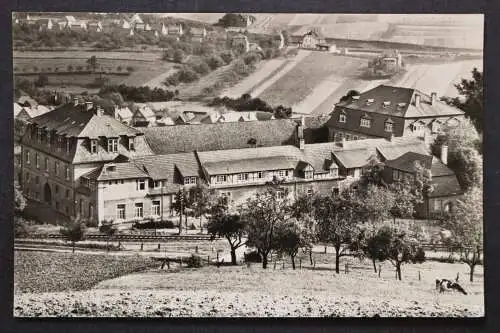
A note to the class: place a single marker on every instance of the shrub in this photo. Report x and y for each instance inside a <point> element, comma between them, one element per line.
<point>253,256</point>
<point>188,75</point>
<point>22,227</point>
<point>167,224</point>
<point>178,56</point>
<point>227,56</point>
<point>130,69</point>
<point>251,58</point>
<point>215,61</point>
<point>200,67</point>
<point>241,68</point>
<point>194,261</point>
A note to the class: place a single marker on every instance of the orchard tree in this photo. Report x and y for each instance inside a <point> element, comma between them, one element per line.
<point>465,222</point>
<point>376,203</point>
<point>368,244</point>
<point>398,246</point>
<point>74,232</point>
<point>263,214</point>
<point>290,237</point>
<point>180,206</point>
<point>337,218</point>
<point>108,229</point>
<point>92,61</point>
<point>223,223</point>
<point>303,210</point>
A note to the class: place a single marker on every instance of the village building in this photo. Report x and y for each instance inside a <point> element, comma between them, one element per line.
<point>61,146</point>
<point>45,24</point>
<point>386,111</point>
<point>26,113</point>
<point>311,39</point>
<point>241,42</point>
<point>198,34</point>
<point>172,30</point>
<point>123,114</point>
<point>144,116</point>
<point>94,26</point>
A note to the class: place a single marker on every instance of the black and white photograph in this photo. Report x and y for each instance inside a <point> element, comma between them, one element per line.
<point>193,165</point>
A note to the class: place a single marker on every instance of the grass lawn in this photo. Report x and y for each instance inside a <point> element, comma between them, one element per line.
<point>51,272</point>
<point>253,291</point>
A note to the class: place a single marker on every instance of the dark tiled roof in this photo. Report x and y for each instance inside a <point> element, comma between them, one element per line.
<point>407,161</point>
<point>204,137</point>
<point>77,122</point>
<point>163,166</point>
<point>445,186</point>
<point>439,169</point>
<point>319,155</point>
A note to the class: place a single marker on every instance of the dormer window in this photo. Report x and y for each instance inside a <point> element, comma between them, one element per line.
<point>112,145</point>
<point>369,101</point>
<point>342,117</point>
<point>386,104</point>
<point>189,180</point>
<point>365,122</point>
<point>93,146</point>
<point>388,125</point>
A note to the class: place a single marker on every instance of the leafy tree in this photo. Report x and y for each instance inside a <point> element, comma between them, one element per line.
<point>463,135</point>
<point>92,61</point>
<point>466,225</point>
<point>262,215</point>
<point>467,164</point>
<point>349,94</point>
<point>472,100</point>
<point>181,202</point>
<point>199,67</point>
<point>201,199</point>
<point>178,56</point>
<point>397,245</point>
<point>19,200</point>
<point>215,61</point>
<point>290,237</point>
<point>224,224</point>
<point>42,80</point>
<point>108,229</point>
<point>74,232</point>
<point>368,244</point>
<point>227,56</point>
<point>337,218</point>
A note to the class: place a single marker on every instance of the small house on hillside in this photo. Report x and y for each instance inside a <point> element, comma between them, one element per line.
<point>240,41</point>
<point>94,25</point>
<point>124,115</point>
<point>142,26</point>
<point>26,113</point>
<point>144,117</point>
<point>198,34</point>
<point>136,18</point>
<point>172,30</point>
<point>25,100</point>
<point>124,24</point>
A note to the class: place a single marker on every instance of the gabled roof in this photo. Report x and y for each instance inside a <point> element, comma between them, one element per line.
<point>350,159</point>
<point>319,155</point>
<point>407,162</point>
<point>37,110</point>
<point>204,137</point>
<point>115,171</point>
<point>75,121</point>
<point>163,166</point>
<point>402,103</point>
<point>124,113</point>
<point>445,186</point>
<point>17,109</point>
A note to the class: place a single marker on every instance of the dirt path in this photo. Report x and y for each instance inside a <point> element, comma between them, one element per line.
<point>266,84</point>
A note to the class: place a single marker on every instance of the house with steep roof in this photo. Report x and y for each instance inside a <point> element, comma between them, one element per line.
<point>198,34</point>
<point>144,116</point>
<point>386,111</point>
<point>123,114</point>
<point>28,112</point>
<point>66,143</point>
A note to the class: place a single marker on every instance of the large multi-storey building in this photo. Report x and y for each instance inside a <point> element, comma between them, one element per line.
<point>80,162</point>
<point>386,111</point>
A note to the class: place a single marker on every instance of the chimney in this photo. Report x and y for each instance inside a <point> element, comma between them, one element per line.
<point>88,105</point>
<point>417,100</point>
<point>75,101</point>
<point>100,111</point>
<point>444,154</point>
<point>433,98</point>
<point>390,136</point>
<point>115,111</point>
<point>302,143</point>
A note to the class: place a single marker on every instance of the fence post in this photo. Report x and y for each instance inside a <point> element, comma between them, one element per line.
<point>168,263</point>
<point>217,257</point>
<point>325,248</point>
<point>346,268</point>
<point>208,260</point>
<point>142,246</point>
<point>180,262</point>
<point>300,263</point>
<point>158,246</point>
<point>379,270</point>
<point>283,265</point>
<point>314,263</point>
<point>274,265</point>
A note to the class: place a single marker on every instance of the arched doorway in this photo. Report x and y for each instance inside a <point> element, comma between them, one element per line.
<point>47,193</point>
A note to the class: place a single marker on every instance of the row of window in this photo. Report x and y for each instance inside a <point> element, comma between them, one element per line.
<point>367,123</point>
<point>121,210</point>
<point>112,145</point>
<point>46,166</point>
<point>43,136</point>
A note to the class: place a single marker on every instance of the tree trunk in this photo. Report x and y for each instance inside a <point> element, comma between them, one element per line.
<point>180,223</point>
<point>472,272</point>
<point>374,265</point>
<point>398,271</point>
<point>311,256</point>
<point>264,261</point>
<point>73,247</point>
<point>233,256</point>
<point>201,224</point>
<point>337,260</point>
<point>293,261</point>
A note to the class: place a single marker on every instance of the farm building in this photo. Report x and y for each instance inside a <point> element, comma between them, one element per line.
<point>142,26</point>
<point>386,111</point>
<point>198,34</point>
<point>143,117</point>
<point>95,26</point>
<point>311,39</point>
<point>173,30</point>
<point>25,100</point>
<point>240,41</point>
<point>28,112</point>
<point>123,114</point>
